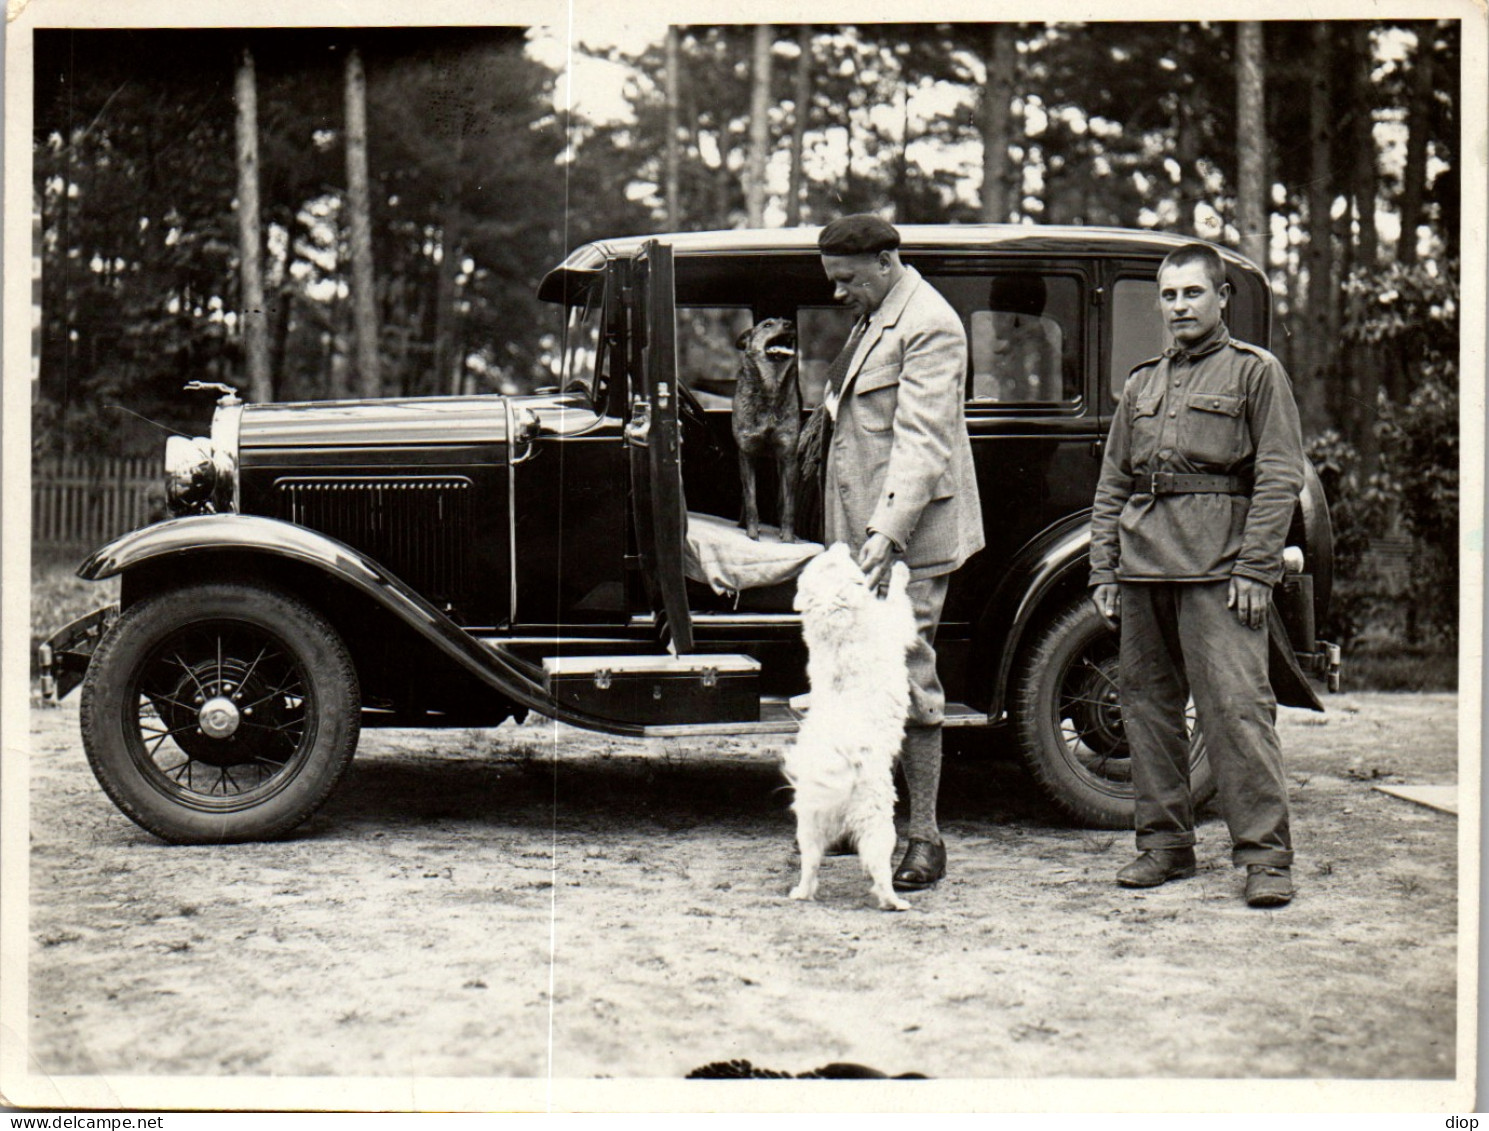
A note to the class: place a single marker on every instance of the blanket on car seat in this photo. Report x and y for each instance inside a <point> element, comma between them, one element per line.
<point>721,555</point>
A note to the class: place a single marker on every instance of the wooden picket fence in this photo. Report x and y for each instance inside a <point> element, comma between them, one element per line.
<point>80,501</point>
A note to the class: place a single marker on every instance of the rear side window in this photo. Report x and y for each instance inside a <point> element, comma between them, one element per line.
<point>706,357</point>
<point>821,333</point>
<point>1137,328</point>
<point>1025,333</point>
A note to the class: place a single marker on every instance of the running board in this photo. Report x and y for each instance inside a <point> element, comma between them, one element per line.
<point>785,716</point>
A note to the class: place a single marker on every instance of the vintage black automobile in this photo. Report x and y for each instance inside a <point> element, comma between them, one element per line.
<point>455,561</point>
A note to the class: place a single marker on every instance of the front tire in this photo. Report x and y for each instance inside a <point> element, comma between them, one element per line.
<point>220,713</point>
<point>1068,719</point>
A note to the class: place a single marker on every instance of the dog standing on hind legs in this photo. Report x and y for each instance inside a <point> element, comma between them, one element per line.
<point>842,762</point>
<point>767,417</point>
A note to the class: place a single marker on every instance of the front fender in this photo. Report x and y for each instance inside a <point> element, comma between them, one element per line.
<point>201,535</point>
<point>206,533</point>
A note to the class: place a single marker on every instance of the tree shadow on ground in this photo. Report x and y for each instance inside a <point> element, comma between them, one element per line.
<point>639,792</point>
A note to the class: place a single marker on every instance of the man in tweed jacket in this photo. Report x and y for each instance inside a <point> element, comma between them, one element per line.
<point>898,480</point>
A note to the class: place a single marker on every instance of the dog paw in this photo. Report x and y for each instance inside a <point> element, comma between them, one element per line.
<point>893,904</point>
<point>801,893</point>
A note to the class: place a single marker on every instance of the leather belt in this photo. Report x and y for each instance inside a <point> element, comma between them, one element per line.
<point>1187,483</point>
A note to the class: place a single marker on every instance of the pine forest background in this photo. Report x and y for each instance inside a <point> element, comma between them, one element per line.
<point>350,212</point>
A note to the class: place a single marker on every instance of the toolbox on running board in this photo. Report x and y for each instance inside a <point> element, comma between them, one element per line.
<point>658,690</point>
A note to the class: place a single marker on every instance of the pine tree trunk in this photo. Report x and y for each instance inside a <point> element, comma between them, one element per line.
<point>250,236</point>
<point>1251,142</point>
<point>759,127</point>
<point>1186,153</point>
<point>802,98</point>
<point>1364,359</point>
<point>671,80</point>
<point>1414,176</point>
<point>899,192</point>
<point>446,364</point>
<point>359,230</point>
<point>1322,293</point>
<point>1367,175</point>
<point>996,110</point>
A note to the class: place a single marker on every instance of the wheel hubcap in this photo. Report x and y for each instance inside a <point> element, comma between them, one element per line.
<point>219,718</point>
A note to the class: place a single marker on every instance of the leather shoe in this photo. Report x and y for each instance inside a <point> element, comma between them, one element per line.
<point>1158,866</point>
<point>1268,885</point>
<point>923,864</point>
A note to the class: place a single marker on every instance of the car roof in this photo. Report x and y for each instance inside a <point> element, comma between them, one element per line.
<point>574,273</point>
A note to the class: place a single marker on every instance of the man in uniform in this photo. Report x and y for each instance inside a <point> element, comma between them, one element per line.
<point>898,476</point>
<point>1201,473</point>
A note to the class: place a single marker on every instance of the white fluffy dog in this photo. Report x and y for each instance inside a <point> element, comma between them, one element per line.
<point>842,763</point>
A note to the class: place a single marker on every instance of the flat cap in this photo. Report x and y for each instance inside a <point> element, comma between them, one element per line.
<point>860,234</point>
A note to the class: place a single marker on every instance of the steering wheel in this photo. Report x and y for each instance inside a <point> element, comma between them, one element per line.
<point>701,449</point>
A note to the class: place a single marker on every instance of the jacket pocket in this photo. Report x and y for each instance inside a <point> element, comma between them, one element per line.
<point>875,395</point>
<point>1214,427</point>
<point>1145,427</point>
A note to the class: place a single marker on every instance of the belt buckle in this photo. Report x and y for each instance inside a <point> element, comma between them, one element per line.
<point>1163,483</point>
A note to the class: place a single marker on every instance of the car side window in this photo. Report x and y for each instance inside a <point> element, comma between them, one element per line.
<point>1024,335</point>
<point>821,332</point>
<point>1137,329</point>
<point>706,357</point>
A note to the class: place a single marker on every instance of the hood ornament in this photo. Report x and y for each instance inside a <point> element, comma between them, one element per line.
<point>229,395</point>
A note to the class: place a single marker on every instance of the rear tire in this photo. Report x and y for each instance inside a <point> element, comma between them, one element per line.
<point>1068,719</point>
<point>220,713</point>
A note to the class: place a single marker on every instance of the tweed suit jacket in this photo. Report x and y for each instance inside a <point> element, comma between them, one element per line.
<point>900,462</point>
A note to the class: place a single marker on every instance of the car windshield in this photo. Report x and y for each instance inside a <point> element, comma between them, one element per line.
<point>581,351</point>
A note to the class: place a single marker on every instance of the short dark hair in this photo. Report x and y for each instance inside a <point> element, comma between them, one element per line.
<point>863,233</point>
<point>1201,253</point>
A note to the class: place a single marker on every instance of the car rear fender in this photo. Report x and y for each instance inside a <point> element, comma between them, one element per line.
<point>1053,569</point>
<point>1043,577</point>
<point>180,542</point>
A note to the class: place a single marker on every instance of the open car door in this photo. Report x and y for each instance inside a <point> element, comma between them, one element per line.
<point>654,441</point>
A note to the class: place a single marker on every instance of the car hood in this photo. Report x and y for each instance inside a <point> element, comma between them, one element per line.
<point>408,421</point>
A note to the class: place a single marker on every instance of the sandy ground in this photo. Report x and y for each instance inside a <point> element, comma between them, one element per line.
<point>528,901</point>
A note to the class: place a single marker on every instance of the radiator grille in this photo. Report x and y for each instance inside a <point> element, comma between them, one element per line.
<point>418,527</point>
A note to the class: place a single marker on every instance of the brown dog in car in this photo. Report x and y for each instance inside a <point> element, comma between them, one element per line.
<point>767,417</point>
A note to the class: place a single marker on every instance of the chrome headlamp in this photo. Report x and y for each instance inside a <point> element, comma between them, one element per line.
<point>201,474</point>
<point>198,476</point>
<point>190,474</point>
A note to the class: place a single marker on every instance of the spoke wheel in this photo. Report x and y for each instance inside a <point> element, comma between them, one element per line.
<point>1068,717</point>
<point>222,716</point>
<point>220,712</point>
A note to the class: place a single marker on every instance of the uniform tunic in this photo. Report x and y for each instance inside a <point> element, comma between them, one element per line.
<point>1222,407</point>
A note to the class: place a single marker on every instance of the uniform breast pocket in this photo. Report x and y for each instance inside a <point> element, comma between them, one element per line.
<point>1214,427</point>
<point>1146,424</point>
<point>875,394</point>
